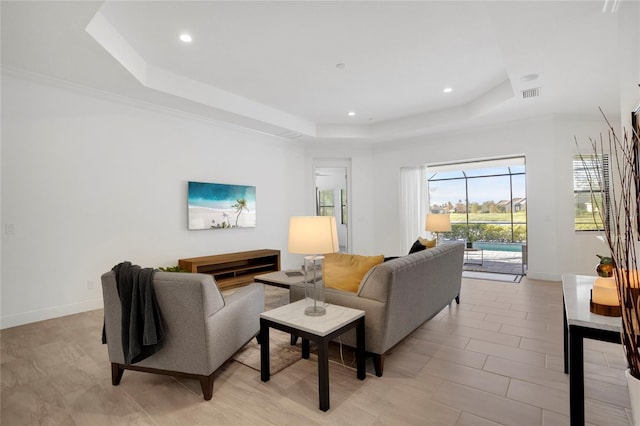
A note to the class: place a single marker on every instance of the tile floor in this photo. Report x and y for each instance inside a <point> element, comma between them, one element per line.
<point>494,359</point>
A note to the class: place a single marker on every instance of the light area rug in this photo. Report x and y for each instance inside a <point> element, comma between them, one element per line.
<point>510,278</point>
<point>281,353</point>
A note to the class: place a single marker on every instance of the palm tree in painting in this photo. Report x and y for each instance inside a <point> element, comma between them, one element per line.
<point>241,204</point>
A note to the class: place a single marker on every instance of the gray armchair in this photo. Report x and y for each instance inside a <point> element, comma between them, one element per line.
<point>202,328</point>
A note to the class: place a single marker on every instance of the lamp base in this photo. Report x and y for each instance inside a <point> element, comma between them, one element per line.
<point>315,311</point>
<point>606,310</point>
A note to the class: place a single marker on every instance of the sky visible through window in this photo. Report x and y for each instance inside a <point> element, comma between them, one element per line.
<point>487,184</point>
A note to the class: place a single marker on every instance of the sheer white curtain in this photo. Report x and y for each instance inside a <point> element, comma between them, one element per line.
<point>414,204</point>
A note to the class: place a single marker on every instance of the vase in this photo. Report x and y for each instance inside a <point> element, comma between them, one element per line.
<point>634,395</point>
<point>604,270</point>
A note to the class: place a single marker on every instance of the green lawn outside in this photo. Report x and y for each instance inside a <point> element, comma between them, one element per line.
<point>583,222</point>
<point>519,217</point>
<point>586,222</point>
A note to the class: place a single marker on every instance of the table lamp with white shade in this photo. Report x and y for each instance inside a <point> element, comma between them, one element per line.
<point>438,222</point>
<point>313,236</point>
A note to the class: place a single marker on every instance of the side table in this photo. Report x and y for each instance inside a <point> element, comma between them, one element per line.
<point>580,323</point>
<point>282,279</point>
<point>473,250</point>
<point>321,330</point>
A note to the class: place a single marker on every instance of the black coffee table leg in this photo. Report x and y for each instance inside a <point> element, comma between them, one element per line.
<point>565,330</point>
<point>305,348</point>
<point>576,377</point>
<point>323,374</point>
<point>265,370</point>
<point>360,359</point>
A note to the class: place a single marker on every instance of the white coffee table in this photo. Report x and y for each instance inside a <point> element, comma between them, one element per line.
<point>291,319</point>
<point>284,279</point>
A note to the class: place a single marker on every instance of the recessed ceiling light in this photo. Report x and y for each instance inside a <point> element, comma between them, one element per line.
<point>448,90</point>
<point>186,38</point>
<point>351,113</point>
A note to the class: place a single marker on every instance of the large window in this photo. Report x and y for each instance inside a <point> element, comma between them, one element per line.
<point>590,191</point>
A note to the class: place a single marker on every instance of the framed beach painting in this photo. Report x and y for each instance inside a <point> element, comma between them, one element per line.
<point>221,206</point>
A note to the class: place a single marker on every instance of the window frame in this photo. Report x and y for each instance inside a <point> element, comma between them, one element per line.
<point>325,209</point>
<point>480,170</point>
<point>595,179</point>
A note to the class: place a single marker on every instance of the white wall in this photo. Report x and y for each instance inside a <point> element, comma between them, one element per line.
<point>629,59</point>
<point>89,182</point>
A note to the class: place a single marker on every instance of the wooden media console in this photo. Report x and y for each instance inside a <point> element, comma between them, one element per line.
<point>234,269</point>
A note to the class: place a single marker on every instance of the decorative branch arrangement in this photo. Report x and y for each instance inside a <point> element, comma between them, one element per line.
<point>618,210</point>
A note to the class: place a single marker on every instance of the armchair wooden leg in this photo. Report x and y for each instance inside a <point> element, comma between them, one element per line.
<point>116,373</point>
<point>206,383</point>
<point>378,364</point>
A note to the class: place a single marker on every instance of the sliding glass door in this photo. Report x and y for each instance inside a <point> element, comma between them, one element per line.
<point>488,207</point>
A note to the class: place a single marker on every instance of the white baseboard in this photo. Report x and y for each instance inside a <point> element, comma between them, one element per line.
<point>544,276</point>
<point>48,313</point>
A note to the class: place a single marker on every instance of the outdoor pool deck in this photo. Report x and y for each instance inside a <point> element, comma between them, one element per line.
<point>502,262</point>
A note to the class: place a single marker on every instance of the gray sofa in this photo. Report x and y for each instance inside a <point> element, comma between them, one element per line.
<point>203,328</point>
<point>399,295</point>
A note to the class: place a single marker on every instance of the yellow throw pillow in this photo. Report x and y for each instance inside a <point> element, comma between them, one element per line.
<point>345,271</point>
<point>427,243</point>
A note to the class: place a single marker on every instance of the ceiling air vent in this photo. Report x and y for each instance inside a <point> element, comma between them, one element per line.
<point>531,93</point>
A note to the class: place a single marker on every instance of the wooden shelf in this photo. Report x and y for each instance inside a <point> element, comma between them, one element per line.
<point>234,269</point>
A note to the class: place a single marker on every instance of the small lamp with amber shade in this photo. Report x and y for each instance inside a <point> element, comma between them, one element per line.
<point>604,297</point>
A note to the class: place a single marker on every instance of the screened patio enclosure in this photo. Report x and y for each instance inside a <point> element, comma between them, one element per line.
<point>487,204</point>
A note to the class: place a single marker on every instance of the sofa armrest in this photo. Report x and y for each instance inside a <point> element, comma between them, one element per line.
<point>233,326</point>
<point>375,318</point>
<point>252,293</point>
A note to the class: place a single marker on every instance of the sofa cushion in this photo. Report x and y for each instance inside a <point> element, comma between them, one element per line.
<point>428,243</point>
<point>345,271</point>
